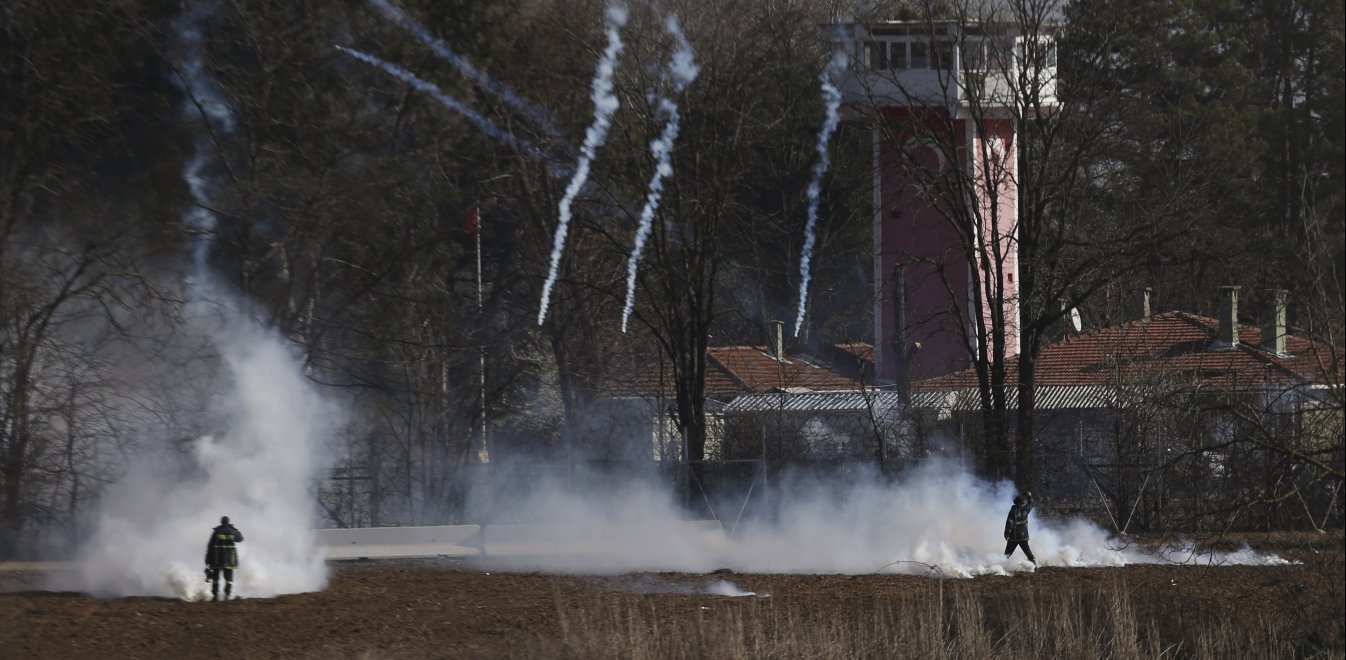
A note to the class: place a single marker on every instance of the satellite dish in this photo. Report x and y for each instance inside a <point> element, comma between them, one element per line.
<point>1075,319</point>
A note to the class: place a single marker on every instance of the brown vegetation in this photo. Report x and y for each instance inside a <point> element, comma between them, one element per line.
<point>466,609</point>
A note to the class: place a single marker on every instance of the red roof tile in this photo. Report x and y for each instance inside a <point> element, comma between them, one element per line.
<point>1174,344</point>
<point>757,371</point>
<point>734,370</point>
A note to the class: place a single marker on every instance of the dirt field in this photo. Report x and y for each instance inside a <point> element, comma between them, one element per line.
<point>463,609</point>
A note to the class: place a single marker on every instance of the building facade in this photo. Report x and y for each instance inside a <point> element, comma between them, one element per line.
<point>944,99</point>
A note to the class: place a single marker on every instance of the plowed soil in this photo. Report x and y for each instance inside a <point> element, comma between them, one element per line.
<point>466,609</point>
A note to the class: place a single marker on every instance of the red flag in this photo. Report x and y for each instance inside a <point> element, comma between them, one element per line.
<point>472,224</point>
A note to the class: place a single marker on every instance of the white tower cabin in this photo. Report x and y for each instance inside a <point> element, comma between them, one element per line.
<point>946,98</point>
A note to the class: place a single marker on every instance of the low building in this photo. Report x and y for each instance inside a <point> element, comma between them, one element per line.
<point>1175,396</point>
<point>760,400</point>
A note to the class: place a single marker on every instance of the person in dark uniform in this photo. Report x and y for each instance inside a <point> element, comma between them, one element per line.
<point>1016,526</point>
<point>222,557</point>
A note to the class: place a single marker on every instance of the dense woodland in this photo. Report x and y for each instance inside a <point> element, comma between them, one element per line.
<point>1205,137</point>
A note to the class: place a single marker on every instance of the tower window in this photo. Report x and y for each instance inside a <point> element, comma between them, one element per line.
<point>943,55</point>
<point>876,52</point>
<point>920,55</point>
<point>898,55</point>
<point>974,55</point>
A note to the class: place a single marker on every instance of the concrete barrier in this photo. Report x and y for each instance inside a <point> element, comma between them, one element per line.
<point>510,540</point>
<point>568,539</point>
<point>392,542</point>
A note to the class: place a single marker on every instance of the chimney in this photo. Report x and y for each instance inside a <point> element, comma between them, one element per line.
<point>1067,328</point>
<point>777,339</point>
<point>1145,294</point>
<point>1229,317</point>
<point>1273,323</point>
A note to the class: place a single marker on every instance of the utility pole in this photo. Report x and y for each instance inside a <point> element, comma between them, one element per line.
<point>483,454</point>
<point>901,352</point>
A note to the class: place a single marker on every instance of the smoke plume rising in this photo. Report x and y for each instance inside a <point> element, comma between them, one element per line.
<point>605,105</point>
<point>153,524</point>
<point>682,70</point>
<point>151,527</point>
<point>204,107</point>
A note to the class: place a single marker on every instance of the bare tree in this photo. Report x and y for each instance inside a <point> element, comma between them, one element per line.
<point>70,249</point>
<point>758,87</point>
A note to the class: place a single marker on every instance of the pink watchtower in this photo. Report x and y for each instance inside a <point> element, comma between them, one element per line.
<point>944,97</point>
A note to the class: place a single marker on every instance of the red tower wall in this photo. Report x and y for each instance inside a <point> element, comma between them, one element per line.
<point>912,231</point>
<point>995,152</point>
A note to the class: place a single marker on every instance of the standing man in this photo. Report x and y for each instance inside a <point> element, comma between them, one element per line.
<point>222,557</point>
<point>1016,526</point>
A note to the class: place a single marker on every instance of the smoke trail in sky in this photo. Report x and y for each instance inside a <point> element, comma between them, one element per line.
<point>831,97</point>
<point>605,104</point>
<point>535,113</point>
<point>482,123</point>
<point>205,107</point>
<point>682,70</point>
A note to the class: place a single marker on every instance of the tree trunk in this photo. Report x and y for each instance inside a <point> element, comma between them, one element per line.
<point>1023,440</point>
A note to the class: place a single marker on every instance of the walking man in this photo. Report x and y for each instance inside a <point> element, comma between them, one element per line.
<point>1016,526</point>
<point>222,557</point>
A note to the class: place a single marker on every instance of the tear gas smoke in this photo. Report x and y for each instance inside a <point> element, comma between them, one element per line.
<point>605,105</point>
<point>483,124</point>
<point>682,70</point>
<point>645,584</point>
<point>938,519</point>
<point>204,98</point>
<point>532,111</point>
<point>153,525</point>
<point>832,98</point>
<point>727,588</point>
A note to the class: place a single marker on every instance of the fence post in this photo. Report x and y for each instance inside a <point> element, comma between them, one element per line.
<point>686,472</point>
<point>766,483</point>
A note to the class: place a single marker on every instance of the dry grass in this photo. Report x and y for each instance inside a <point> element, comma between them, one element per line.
<point>948,622</point>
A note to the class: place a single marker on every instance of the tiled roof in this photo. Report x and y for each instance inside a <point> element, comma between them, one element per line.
<point>755,371</point>
<point>1174,345</point>
<point>735,370</point>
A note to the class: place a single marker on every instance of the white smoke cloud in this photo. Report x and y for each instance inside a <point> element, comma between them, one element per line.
<point>648,584</point>
<point>605,105</point>
<point>682,70</point>
<point>938,520</point>
<point>727,588</point>
<point>832,99</point>
<point>153,524</point>
<point>151,527</point>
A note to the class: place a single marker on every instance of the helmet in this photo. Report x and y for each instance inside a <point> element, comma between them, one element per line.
<point>224,520</point>
<point>1019,499</point>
